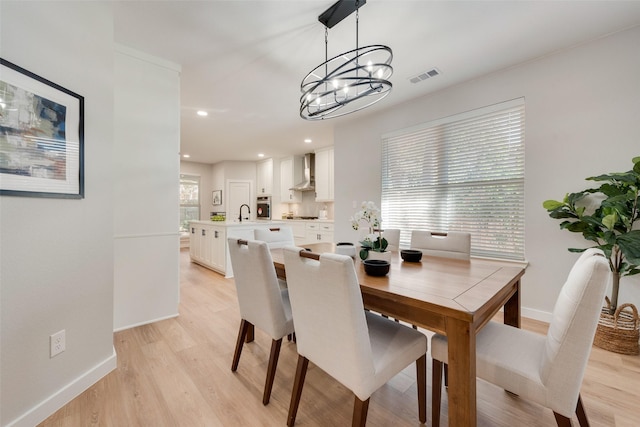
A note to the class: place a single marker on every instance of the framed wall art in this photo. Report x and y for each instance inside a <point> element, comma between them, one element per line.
<point>216,197</point>
<point>41,136</point>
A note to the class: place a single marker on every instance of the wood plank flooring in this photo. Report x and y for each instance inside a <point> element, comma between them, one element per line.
<point>177,372</point>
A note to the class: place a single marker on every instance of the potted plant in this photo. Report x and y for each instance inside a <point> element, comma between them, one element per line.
<point>373,241</point>
<point>606,216</point>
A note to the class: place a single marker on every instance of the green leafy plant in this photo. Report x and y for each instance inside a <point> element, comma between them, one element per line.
<point>369,214</point>
<point>610,225</point>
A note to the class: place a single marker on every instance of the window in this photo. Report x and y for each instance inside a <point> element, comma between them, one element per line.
<point>189,200</point>
<point>461,173</point>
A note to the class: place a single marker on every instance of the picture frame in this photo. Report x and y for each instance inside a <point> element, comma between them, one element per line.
<point>216,197</point>
<point>41,136</point>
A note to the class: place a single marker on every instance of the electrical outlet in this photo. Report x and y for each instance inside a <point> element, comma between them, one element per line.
<point>57,342</point>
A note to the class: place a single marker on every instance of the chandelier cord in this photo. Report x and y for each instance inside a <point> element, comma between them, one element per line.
<point>357,20</point>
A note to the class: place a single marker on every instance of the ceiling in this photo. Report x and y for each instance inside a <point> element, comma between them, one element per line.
<point>242,61</point>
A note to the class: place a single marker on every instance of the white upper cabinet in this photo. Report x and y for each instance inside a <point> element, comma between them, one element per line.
<point>264,177</point>
<point>324,175</point>
<point>290,175</point>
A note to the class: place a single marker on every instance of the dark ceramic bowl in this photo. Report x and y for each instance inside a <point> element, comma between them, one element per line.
<point>376,267</point>
<point>411,255</point>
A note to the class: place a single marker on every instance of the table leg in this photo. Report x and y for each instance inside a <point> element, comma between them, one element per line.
<point>462,373</point>
<point>512,309</point>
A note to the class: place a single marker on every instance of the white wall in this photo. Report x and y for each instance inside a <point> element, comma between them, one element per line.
<point>146,214</point>
<point>582,119</point>
<point>56,256</point>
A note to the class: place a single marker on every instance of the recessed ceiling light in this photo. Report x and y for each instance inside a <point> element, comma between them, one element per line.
<point>307,141</point>
<point>203,113</point>
<point>186,156</point>
<point>261,155</point>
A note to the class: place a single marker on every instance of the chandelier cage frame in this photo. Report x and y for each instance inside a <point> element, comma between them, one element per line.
<point>350,81</point>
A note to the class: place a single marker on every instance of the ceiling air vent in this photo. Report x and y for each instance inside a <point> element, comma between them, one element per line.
<point>425,75</point>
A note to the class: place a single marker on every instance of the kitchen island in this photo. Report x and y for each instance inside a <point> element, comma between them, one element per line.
<point>208,241</point>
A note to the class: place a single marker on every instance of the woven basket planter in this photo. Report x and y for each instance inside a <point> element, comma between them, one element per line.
<point>619,332</point>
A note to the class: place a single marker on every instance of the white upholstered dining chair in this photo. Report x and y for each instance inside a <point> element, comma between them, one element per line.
<point>545,369</point>
<point>453,244</point>
<point>393,238</point>
<point>262,302</point>
<point>276,237</point>
<point>360,350</point>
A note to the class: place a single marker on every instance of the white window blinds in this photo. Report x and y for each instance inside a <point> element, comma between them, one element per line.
<point>461,173</point>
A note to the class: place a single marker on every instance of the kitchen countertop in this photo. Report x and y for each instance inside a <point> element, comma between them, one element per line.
<point>230,223</point>
<point>306,220</point>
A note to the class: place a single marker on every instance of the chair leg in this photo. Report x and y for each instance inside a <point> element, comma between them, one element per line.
<point>360,409</point>
<point>301,372</point>
<point>562,421</point>
<point>582,415</point>
<point>250,333</point>
<point>271,370</point>
<point>436,392</point>
<point>446,374</point>
<point>244,327</point>
<point>421,378</point>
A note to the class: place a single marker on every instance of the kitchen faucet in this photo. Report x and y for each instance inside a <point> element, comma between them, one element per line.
<point>248,211</point>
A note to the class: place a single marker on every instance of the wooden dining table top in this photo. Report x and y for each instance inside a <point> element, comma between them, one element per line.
<point>452,288</point>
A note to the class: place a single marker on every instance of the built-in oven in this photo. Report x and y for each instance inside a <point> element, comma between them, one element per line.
<point>263,207</point>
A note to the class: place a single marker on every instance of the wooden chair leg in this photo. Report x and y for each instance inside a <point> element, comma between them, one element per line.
<point>360,409</point>
<point>250,333</point>
<point>582,415</point>
<point>271,370</point>
<point>562,421</point>
<point>421,378</point>
<point>446,375</point>
<point>244,327</point>
<point>301,372</point>
<point>436,392</point>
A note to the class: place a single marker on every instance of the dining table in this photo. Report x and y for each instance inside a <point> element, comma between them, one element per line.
<point>452,297</point>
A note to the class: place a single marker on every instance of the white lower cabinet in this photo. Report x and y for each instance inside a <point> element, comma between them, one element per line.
<point>319,232</point>
<point>207,245</point>
<point>218,258</point>
<point>299,229</point>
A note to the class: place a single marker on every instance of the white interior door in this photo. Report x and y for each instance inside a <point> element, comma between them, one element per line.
<point>239,193</point>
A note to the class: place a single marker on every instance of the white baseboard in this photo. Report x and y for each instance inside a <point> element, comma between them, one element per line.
<point>540,315</point>
<point>44,409</point>
<point>146,322</point>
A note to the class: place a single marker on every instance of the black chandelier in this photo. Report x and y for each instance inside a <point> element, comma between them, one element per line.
<point>347,82</point>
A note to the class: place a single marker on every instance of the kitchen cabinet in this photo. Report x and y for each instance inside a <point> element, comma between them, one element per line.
<point>290,175</point>
<point>207,245</point>
<point>324,175</point>
<point>218,246</point>
<point>199,250</point>
<point>299,229</point>
<point>264,177</point>
<point>319,232</point>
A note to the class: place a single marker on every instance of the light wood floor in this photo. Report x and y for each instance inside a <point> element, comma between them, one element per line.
<point>177,373</point>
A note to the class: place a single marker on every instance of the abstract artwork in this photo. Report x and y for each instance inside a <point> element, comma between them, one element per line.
<point>41,136</point>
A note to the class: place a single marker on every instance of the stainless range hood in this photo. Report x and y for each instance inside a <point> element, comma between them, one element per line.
<point>309,183</point>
